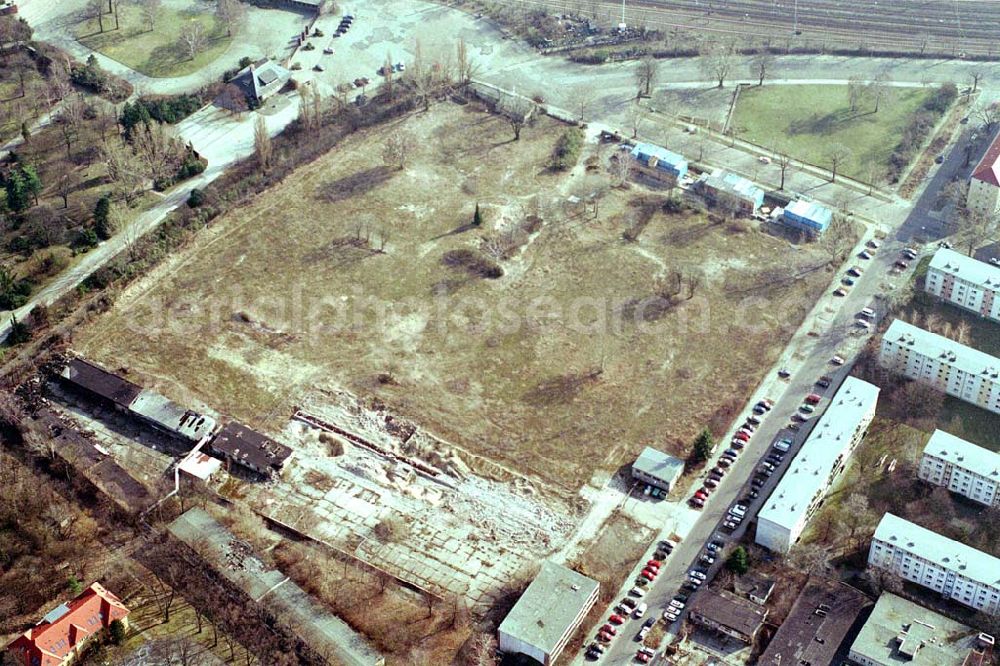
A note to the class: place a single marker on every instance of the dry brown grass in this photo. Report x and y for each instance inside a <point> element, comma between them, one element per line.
<point>521,386</point>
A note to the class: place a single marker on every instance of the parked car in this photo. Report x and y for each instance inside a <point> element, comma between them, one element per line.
<point>855,271</point>
<point>653,564</point>
<point>840,291</point>
<point>694,573</point>
<point>679,605</point>
<point>901,265</point>
<point>648,575</point>
<point>629,603</point>
<point>616,619</point>
<point>637,592</point>
<point>689,586</point>
<point>737,444</point>
<point>865,254</point>
<point>757,482</point>
<point>729,525</point>
<point>707,560</point>
<point>837,360</point>
<point>824,381</point>
<point>910,253</point>
<point>807,408</point>
<point>670,615</point>
<point>740,434</point>
<point>711,484</point>
<point>847,281</point>
<point>945,244</point>
<point>609,629</point>
<point>754,494</point>
<point>725,462</point>
<point>784,373</point>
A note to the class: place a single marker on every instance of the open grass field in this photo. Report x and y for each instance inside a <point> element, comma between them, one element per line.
<point>807,120</point>
<point>339,278</point>
<point>158,52</point>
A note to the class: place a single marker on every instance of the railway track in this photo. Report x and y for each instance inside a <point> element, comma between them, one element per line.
<point>940,26</point>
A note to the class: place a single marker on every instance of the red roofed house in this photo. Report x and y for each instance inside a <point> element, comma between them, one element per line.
<point>61,635</point>
<point>984,185</point>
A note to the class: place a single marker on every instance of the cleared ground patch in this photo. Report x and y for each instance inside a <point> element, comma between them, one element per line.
<point>807,120</point>
<point>158,50</point>
<point>567,363</point>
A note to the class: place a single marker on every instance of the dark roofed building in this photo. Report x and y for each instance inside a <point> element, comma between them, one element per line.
<point>816,626</point>
<point>755,587</point>
<point>105,386</point>
<point>243,446</point>
<point>728,614</point>
<point>260,80</point>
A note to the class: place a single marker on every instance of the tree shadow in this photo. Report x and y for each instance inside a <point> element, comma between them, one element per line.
<point>824,123</point>
<point>353,185</point>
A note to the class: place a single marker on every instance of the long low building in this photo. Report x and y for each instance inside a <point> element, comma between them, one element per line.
<point>952,569</point>
<point>901,632</point>
<point>543,619</point>
<point>946,365</point>
<point>658,163</point>
<point>724,189</point>
<point>966,282</point>
<point>728,614</point>
<point>961,467</point>
<point>807,216</point>
<point>819,462</point>
<point>239,444</point>
<point>166,415</point>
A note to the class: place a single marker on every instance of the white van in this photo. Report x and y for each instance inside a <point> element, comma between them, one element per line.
<point>867,312</point>
<point>639,611</point>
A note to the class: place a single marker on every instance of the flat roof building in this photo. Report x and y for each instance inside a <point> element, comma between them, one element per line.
<point>547,614</point>
<point>966,282</point>
<point>658,163</point>
<point>249,448</point>
<point>657,468</point>
<point>807,216</point>
<point>728,614</point>
<point>171,418</point>
<point>952,569</point>
<point>820,619</point>
<point>899,631</point>
<point>722,188</point>
<point>106,387</point>
<point>943,364</point>
<point>821,459</point>
<point>961,467</point>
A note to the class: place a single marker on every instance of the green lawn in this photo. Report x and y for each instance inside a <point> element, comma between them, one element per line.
<point>158,52</point>
<point>806,120</point>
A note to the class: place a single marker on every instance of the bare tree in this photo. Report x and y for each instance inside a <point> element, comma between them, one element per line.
<point>69,121</point>
<point>125,170</point>
<point>262,146</point>
<point>621,168</point>
<point>159,152</point>
<point>150,10</point>
<point>66,181</point>
<point>783,161</point>
<point>856,512</point>
<point>483,650</point>
<point>396,149</point>
<point>636,116</point>
<point>95,9</point>
<point>837,153</point>
<point>878,88</point>
<point>517,111</point>
<point>193,39</point>
<point>465,64</point>
<point>976,73</point>
<point>975,228</point>
<point>855,91</point>
<point>422,77</point>
<point>230,13</point>
<point>718,61</point>
<point>645,75</point>
<point>388,72</point>
<point>809,558</point>
<point>988,115</point>
<point>760,65</point>
<point>838,239</point>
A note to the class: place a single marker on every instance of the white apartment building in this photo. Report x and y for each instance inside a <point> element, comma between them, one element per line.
<point>984,184</point>
<point>955,369</point>
<point>821,459</point>
<point>961,467</point>
<point>952,569</point>
<point>965,282</point>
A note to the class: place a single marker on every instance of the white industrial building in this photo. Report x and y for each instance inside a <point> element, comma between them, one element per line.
<point>955,369</point>
<point>821,459</point>
<point>966,282</point>
<point>543,619</point>
<point>961,467</point>
<point>952,569</point>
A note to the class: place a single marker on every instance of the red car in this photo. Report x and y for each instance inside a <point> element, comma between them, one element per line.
<point>652,570</point>
<point>701,494</point>
<point>616,619</point>
<point>647,575</point>
<point>608,629</point>
<point>653,564</point>
<point>742,435</point>
<point>604,637</point>
<point>642,657</point>
<point>813,398</point>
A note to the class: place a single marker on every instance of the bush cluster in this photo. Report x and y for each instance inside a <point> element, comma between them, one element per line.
<point>919,127</point>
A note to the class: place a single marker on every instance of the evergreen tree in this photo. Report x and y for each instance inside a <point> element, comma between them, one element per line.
<point>477,218</point>
<point>739,561</point>
<point>704,445</point>
<point>102,218</point>
<point>133,115</point>
<point>117,632</point>
<point>19,333</point>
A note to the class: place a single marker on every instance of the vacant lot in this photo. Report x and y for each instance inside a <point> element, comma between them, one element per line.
<point>158,49</point>
<point>809,121</point>
<point>357,275</point>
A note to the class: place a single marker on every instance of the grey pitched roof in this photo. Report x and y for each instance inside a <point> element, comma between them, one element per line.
<point>659,464</point>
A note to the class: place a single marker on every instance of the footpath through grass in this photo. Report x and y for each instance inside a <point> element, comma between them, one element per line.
<point>807,120</point>
<point>158,52</point>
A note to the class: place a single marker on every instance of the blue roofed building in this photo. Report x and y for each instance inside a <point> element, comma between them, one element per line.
<point>658,163</point>
<point>724,189</point>
<point>807,216</point>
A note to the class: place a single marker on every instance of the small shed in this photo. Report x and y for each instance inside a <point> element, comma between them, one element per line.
<point>807,216</point>
<point>657,468</point>
<point>755,587</point>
